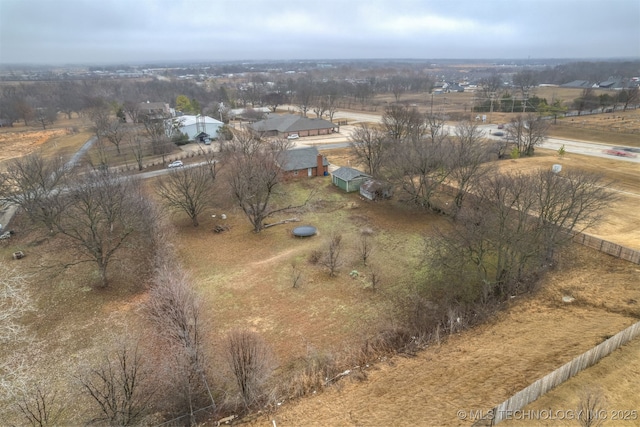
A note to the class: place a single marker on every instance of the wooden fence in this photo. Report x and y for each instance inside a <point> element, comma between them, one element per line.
<point>607,247</point>
<point>557,377</point>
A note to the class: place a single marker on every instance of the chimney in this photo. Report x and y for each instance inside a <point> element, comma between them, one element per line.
<point>320,168</point>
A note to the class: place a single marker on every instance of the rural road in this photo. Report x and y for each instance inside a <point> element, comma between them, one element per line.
<point>571,146</point>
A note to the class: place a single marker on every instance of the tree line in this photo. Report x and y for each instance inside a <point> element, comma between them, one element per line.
<point>506,228</point>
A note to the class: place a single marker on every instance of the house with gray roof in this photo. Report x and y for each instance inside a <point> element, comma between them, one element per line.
<point>349,179</point>
<point>578,84</point>
<point>304,161</point>
<point>283,125</point>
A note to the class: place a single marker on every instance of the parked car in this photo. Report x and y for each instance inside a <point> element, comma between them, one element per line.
<point>500,126</point>
<point>176,164</point>
<point>499,133</point>
<point>293,136</point>
<point>620,152</point>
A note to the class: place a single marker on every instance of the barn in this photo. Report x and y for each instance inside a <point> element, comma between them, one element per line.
<point>349,179</point>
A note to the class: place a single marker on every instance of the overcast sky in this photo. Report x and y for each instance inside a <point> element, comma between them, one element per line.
<point>121,31</point>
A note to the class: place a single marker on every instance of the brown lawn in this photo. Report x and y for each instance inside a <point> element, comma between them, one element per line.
<point>245,280</point>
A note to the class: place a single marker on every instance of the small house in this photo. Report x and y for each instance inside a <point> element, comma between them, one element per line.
<point>349,179</point>
<point>305,161</point>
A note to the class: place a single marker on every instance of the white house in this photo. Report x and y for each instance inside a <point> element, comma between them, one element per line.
<point>194,126</point>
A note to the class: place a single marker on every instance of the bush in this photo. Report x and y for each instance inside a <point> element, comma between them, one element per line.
<point>315,257</point>
<point>180,139</point>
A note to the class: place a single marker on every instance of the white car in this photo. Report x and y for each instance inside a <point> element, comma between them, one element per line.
<point>293,136</point>
<point>176,164</point>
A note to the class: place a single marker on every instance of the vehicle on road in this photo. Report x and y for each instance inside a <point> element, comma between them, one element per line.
<point>630,149</point>
<point>499,133</point>
<point>293,136</point>
<point>500,126</point>
<point>176,164</point>
<point>621,152</point>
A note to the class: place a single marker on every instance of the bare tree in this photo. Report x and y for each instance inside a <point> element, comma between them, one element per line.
<point>132,111</point>
<point>210,162</point>
<point>274,99</point>
<point>370,146</point>
<point>629,97</point>
<point>398,86</point>
<point>525,80</point>
<point>365,248</point>
<point>304,93</point>
<point>254,175</point>
<point>514,223</point>
<point>46,115</point>
<point>40,406</point>
<point>402,123</point>
<point>100,115</point>
<point>115,132</point>
<point>106,211</point>
<point>189,190</point>
<point>332,258</point>
<point>419,167</point>
<point>490,85</point>
<point>175,309</point>
<point>68,98</point>
<point>34,183</point>
<point>135,144</point>
<point>118,389</point>
<point>435,128</point>
<point>156,130</point>
<point>296,275</point>
<point>527,132</point>
<point>591,408</point>
<point>251,363</point>
<point>468,160</point>
<point>586,101</point>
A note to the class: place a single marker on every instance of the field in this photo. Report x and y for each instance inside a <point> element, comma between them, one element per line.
<point>245,280</point>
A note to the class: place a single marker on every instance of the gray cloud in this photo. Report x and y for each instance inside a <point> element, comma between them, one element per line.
<point>83,31</point>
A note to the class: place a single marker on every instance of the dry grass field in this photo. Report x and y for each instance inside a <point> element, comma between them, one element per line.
<point>480,368</point>
<point>245,280</point>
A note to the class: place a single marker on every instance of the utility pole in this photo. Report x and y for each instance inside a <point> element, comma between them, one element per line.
<point>432,103</point>
<point>491,107</point>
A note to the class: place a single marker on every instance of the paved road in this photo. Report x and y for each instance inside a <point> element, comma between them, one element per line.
<point>571,146</point>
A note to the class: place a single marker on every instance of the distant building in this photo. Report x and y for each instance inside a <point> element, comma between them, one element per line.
<point>151,111</point>
<point>578,84</point>
<point>195,127</point>
<point>283,125</point>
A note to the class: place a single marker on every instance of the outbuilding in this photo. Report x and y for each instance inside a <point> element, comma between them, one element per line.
<point>374,190</point>
<point>349,179</point>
